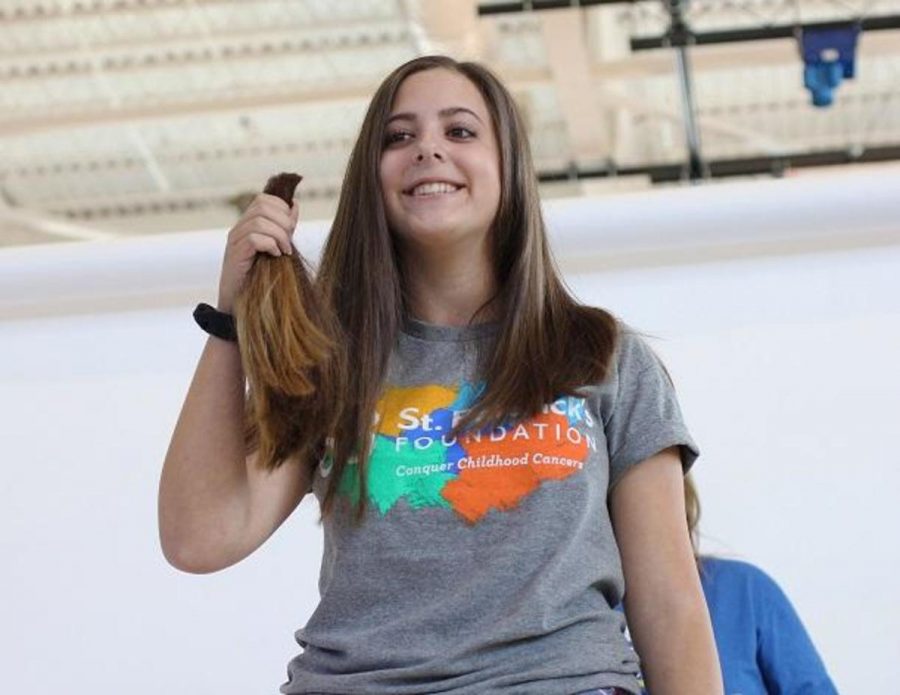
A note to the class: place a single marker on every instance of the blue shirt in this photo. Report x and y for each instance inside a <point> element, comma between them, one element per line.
<point>763,646</point>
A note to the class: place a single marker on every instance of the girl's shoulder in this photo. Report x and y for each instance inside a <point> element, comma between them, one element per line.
<point>634,353</point>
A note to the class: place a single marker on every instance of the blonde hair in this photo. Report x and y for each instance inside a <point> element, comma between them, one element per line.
<point>692,513</point>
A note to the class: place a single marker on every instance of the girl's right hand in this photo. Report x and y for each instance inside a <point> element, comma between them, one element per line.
<point>267,226</point>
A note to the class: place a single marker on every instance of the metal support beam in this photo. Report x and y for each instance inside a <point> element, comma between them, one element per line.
<point>510,7</point>
<point>38,222</point>
<point>680,32</point>
<point>748,166</point>
<point>705,38</point>
<point>867,23</point>
<point>347,90</point>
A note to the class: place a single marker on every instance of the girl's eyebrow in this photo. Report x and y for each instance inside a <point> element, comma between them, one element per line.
<point>443,113</point>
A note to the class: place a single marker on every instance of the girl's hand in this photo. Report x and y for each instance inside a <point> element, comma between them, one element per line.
<point>267,226</point>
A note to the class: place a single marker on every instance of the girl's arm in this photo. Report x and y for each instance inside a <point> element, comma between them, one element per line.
<point>667,614</point>
<point>215,505</point>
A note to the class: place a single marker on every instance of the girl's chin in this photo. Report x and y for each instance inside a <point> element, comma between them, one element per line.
<point>436,235</point>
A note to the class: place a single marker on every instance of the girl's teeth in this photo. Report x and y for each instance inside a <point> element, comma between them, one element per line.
<point>434,188</point>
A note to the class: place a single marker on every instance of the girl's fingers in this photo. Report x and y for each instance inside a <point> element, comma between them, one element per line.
<point>266,227</point>
<point>280,218</point>
<point>263,243</point>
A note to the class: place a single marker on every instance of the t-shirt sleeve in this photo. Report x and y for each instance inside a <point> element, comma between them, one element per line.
<point>787,658</point>
<point>644,417</point>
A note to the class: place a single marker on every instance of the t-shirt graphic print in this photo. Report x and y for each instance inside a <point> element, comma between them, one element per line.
<point>485,563</point>
<point>415,458</point>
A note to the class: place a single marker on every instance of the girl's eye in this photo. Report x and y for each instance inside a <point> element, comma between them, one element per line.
<point>461,132</point>
<point>396,136</point>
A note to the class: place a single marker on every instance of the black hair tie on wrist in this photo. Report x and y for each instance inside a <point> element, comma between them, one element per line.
<point>215,322</point>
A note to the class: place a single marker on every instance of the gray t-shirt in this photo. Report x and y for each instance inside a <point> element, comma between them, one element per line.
<point>487,564</point>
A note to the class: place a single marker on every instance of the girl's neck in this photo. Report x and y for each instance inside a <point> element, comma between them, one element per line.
<point>447,289</point>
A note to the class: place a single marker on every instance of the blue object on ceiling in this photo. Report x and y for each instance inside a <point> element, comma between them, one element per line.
<point>829,55</point>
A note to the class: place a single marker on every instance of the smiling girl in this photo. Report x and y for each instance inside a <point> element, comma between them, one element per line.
<point>503,460</point>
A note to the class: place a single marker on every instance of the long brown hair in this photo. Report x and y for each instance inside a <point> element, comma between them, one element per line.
<point>547,345</point>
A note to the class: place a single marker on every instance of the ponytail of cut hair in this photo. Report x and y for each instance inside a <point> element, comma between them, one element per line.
<point>293,359</point>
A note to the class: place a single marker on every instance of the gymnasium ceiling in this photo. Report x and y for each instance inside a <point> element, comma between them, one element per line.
<point>131,117</point>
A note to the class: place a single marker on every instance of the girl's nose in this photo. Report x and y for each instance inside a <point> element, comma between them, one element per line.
<point>420,157</point>
<point>428,147</point>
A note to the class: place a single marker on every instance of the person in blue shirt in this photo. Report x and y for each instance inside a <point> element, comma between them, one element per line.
<point>763,646</point>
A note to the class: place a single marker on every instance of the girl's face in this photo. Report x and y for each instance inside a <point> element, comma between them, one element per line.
<point>440,163</point>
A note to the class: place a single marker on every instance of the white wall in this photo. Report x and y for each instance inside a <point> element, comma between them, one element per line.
<point>788,377</point>
<point>785,364</point>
